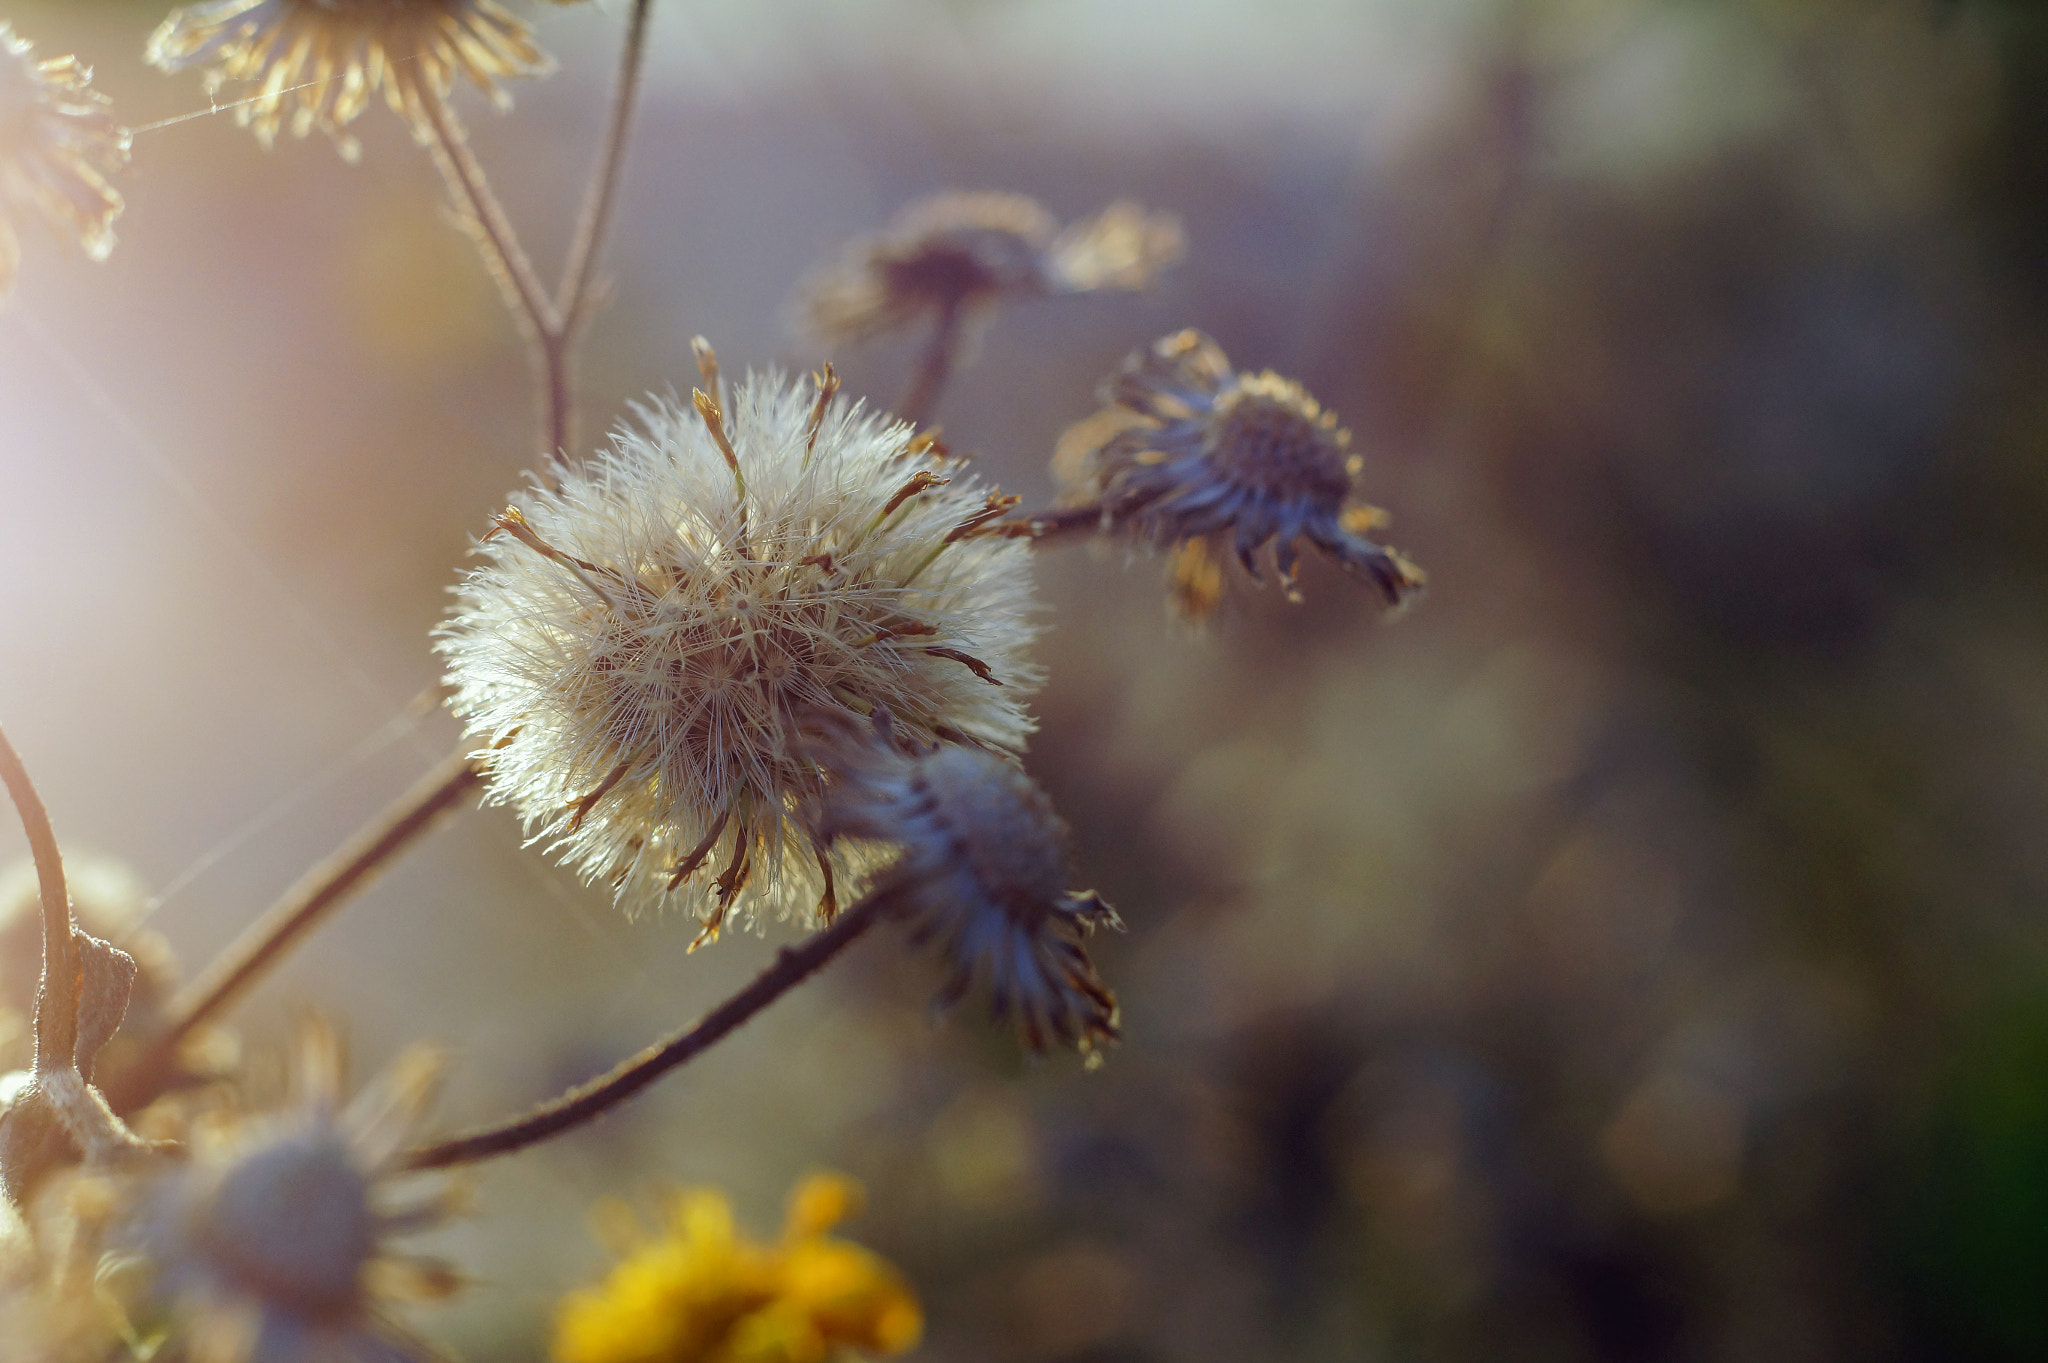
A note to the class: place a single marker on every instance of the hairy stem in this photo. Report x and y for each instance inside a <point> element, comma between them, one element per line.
<point>934,368</point>
<point>318,893</point>
<point>56,1021</point>
<point>793,965</point>
<point>573,298</point>
<point>507,259</point>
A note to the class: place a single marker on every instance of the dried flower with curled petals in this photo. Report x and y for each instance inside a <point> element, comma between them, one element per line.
<point>700,1292</point>
<point>269,1245</point>
<point>316,63</point>
<point>649,648</point>
<point>963,252</point>
<point>983,871</point>
<point>1197,459</point>
<point>58,145</point>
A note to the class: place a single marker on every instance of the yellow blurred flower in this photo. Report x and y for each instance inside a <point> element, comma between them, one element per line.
<point>699,1292</point>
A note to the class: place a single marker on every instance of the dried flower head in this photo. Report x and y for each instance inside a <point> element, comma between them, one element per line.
<point>648,647</point>
<point>699,1292</point>
<point>269,1244</point>
<point>316,63</point>
<point>1194,458</point>
<point>58,145</point>
<point>983,871</point>
<point>964,252</point>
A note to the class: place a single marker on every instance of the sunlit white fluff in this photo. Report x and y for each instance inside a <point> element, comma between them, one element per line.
<point>649,649</point>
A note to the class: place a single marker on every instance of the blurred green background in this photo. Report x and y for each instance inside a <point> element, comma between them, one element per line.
<point>1635,953</point>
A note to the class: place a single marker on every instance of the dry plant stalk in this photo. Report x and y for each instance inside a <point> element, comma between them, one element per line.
<point>771,648</point>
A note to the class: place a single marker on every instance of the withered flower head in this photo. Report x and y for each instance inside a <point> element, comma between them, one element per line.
<point>982,871</point>
<point>316,63</point>
<point>269,1244</point>
<point>966,251</point>
<point>648,647</point>
<point>58,145</point>
<point>1194,458</point>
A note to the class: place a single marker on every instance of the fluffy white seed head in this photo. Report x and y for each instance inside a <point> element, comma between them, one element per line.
<point>650,649</point>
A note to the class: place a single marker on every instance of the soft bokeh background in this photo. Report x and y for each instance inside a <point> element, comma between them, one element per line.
<point>1635,953</point>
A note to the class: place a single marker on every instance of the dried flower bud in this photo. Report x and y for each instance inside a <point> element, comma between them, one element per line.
<point>1192,456</point>
<point>649,648</point>
<point>983,871</point>
<point>318,62</point>
<point>968,251</point>
<point>58,145</point>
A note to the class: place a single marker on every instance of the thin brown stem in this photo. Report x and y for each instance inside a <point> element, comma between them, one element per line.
<point>934,367</point>
<point>793,965</point>
<point>507,259</point>
<point>572,299</point>
<point>1059,522</point>
<point>552,326</point>
<point>318,893</point>
<point>508,263</point>
<point>56,1021</point>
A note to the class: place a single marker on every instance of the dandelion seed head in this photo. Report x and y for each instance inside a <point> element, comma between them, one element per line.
<point>982,871</point>
<point>650,649</point>
<point>59,143</point>
<point>1193,457</point>
<point>968,250</point>
<point>317,63</point>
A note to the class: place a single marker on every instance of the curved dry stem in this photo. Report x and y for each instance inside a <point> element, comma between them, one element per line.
<point>317,894</point>
<point>56,1022</point>
<point>793,965</point>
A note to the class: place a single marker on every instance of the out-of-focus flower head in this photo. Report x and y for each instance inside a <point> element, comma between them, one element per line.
<point>983,871</point>
<point>316,63</point>
<point>966,251</point>
<point>699,1292</point>
<point>269,1245</point>
<point>649,647</point>
<point>58,145</point>
<point>1197,459</point>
